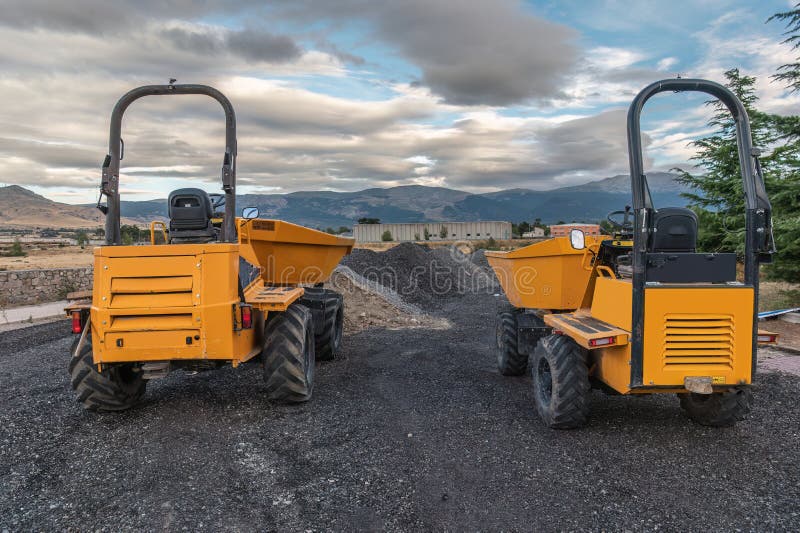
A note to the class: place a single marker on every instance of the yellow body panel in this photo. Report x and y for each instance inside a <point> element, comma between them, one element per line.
<point>290,254</point>
<point>543,275</point>
<point>181,301</point>
<point>698,331</point>
<point>149,301</point>
<point>612,302</point>
<point>612,366</point>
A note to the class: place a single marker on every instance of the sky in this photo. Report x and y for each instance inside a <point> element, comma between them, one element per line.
<point>351,94</point>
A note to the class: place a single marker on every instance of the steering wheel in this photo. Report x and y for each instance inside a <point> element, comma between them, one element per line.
<point>217,200</point>
<point>626,224</point>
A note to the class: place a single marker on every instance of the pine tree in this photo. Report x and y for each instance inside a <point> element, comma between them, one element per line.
<point>718,196</point>
<point>790,73</point>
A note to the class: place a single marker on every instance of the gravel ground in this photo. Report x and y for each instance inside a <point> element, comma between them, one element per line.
<point>409,430</point>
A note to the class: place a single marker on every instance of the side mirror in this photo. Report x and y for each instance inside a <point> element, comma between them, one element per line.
<point>577,239</point>
<point>249,213</point>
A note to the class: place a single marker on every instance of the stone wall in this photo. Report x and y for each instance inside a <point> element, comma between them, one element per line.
<point>28,287</point>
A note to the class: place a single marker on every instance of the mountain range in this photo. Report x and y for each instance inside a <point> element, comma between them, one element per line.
<point>589,202</point>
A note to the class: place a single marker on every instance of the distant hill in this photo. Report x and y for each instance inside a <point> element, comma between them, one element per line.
<point>414,203</point>
<point>24,209</point>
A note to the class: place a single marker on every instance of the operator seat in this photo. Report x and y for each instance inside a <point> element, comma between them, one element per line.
<point>190,217</point>
<point>675,230</point>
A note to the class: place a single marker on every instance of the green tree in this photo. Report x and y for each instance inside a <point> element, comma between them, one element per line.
<point>718,198</point>
<point>427,234</point>
<point>330,230</point>
<point>443,232</point>
<point>524,227</point>
<point>717,194</point>
<point>82,237</point>
<point>343,229</point>
<point>16,249</point>
<point>784,187</point>
<point>365,220</point>
<point>130,234</point>
<point>387,236</point>
<point>416,236</point>
<point>790,72</point>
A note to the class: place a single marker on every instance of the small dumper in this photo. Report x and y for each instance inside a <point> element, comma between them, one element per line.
<point>211,289</point>
<point>642,311</point>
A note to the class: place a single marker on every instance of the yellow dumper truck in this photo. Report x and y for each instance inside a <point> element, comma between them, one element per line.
<point>642,311</point>
<point>214,290</point>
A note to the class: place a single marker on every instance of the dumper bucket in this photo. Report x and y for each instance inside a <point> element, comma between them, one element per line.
<point>543,275</point>
<point>290,254</point>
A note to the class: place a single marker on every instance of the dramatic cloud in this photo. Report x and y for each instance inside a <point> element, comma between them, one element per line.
<point>347,95</point>
<point>471,52</point>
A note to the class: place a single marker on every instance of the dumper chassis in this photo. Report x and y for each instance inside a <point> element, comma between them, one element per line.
<point>210,289</point>
<point>640,311</point>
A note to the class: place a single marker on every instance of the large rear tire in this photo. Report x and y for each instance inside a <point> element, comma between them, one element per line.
<point>560,382</point>
<point>288,355</point>
<point>328,340</point>
<point>117,388</point>
<point>719,409</point>
<point>509,361</point>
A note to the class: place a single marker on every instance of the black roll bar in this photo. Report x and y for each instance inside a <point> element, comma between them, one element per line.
<point>759,244</point>
<point>109,185</point>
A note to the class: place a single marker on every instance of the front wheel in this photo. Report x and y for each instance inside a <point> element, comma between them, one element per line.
<point>560,382</point>
<point>117,388</point>
<point>509,361</point>
<point>719,409</point>
<point>288,355</point>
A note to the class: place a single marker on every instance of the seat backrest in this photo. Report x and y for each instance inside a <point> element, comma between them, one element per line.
<point>675,230</point>
<point>189,209</point>
<point>190,215</point>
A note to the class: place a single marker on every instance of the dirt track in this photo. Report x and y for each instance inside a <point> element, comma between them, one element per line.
<point>408,430</point>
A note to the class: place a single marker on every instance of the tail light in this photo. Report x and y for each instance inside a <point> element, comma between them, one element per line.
<point>77,326</point>
<point>602,341</point>
<point>247,317</point>
<point>767,338</point>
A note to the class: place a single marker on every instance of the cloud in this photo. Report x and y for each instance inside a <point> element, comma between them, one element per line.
<point>667,63</point>
<point>469,52</point>
<point>249,44</point>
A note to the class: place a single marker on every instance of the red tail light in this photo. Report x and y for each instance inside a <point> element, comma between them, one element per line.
<point>767,338</point>
<point>247,317</point>
<point>602,341</point>
<point>77,327</point>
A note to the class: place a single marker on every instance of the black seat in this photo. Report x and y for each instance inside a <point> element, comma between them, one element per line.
<point>190,217</point>
<point>675,230</point>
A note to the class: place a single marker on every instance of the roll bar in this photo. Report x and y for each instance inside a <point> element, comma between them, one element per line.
<point>759,243</point>
<point>109,185</point>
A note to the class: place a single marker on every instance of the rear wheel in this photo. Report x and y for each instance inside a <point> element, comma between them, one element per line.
<point>719,409</point>
<point>560,382</point>
<point>288,355</point>
<point>328,340</point>
<point>509,361</point>
<point>117,388</point>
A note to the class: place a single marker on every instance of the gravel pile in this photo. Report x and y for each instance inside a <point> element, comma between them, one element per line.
<point>370,304</point>
<point>424,276</point>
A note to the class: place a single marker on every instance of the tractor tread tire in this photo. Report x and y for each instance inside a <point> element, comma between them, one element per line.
<point>329,341</point>
<point>102,392</point>
<point>509,361</point>
<point>568,405</point>
<point>719,409</point>
<point>288,355</point>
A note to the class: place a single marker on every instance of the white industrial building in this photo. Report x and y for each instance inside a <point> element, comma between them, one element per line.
<point>455,231</point>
